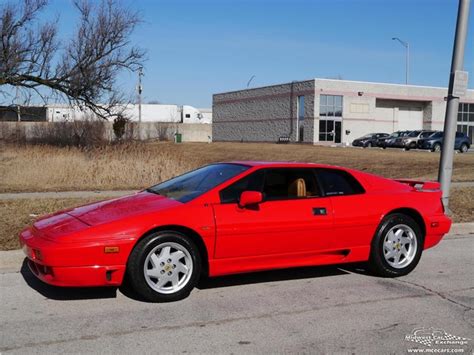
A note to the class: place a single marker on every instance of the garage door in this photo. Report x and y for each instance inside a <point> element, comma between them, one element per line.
<point>410,118</point>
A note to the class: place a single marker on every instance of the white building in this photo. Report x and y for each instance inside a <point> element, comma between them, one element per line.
<point>150,113</point>
<point>327,111</point>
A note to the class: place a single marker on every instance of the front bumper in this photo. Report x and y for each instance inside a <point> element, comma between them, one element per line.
<point>73,264</point>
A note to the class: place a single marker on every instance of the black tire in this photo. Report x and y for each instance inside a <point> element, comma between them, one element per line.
<point>378,263</point>
<point>136,265</point>
<point>436,147</point>
<point>369,145</point>
<point>464,148</point>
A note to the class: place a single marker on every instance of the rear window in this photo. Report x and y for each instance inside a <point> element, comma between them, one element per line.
<point>338,182</point>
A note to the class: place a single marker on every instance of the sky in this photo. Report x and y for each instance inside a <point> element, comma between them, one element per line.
<point>196,48</point>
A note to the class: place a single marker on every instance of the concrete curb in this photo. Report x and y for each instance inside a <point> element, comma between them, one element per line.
<point>11,260</point>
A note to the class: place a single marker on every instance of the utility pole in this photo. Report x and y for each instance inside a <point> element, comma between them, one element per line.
<point>140,74</point>
<point>452,105</point>
<point>407,58</point>
<point>17,96</point>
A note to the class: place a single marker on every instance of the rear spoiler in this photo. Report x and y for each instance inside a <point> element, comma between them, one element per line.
<point>421,185</point>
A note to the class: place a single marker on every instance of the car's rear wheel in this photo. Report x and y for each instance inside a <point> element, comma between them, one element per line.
<point>369,145</point>
<point>464,148</point>
<point>397,246</point>
<point>164,266</point>
<point>436,147</point>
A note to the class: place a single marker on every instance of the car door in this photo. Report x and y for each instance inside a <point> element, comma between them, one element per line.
<point>458,140</point>
<point>293,217</point>
<point>356,214</point>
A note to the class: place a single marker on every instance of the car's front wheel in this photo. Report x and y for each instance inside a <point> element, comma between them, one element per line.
<point>464,148</point>
<point>164,266</point>
<point>397,246</point>
<point>436,147</point>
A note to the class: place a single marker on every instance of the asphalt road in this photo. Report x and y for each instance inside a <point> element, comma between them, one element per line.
<point>311,310</point>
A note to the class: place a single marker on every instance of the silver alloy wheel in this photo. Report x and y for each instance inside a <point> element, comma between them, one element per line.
<point>168,267</point>
<point>464,148</point>
<point>437,148</point>
<point>399,246</point>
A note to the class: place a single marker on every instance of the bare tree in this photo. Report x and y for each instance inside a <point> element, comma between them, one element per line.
<point>83,69</point>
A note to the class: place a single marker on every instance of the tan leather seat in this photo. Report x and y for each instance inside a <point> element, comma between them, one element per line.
<point>298,188</point>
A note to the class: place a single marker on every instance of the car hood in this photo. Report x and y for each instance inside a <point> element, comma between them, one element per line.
<point>77,219</point>
<point>124,207</point>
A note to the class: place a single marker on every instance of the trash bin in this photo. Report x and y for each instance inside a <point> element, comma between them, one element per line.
<point>178,137</point>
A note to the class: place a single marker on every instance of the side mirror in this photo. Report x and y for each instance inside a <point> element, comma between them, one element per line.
<point>248,198</point>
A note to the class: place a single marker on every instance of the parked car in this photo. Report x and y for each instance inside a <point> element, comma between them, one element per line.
<point>411,139</point>
<point>390,141</point>
<point>236,217</point>
<point>435,142</point>
<point>369,140</point>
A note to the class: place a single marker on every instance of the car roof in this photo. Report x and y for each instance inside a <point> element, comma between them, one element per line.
<point>281,164</point>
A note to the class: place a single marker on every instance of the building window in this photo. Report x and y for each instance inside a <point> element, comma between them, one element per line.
<point>330,105</point>
<point>466,112</point>
<point>466,120</point>
<point>300,109</point>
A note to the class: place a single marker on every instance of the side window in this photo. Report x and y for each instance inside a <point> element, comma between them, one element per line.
<point>338,182</point>
<point>459,135</point>
<point>252,182</point>
<point>281,184</point>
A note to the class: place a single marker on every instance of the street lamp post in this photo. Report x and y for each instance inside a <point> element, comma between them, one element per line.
<point>250,80</point>
<point>407,64</point>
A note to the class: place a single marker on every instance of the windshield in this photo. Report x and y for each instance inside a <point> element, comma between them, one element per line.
<point>186,187</point>
<point>437,135</point>
<point>366,136</point>
<point>414,134</point>
<point>426,134</point>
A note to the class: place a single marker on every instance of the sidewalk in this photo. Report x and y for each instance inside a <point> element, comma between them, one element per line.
<point>64,194</point>
<point>114,193</point>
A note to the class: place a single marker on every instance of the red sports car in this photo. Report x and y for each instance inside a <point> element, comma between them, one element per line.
<point>238,217</point>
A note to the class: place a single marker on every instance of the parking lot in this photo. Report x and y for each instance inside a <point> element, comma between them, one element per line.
<point>311,310</point>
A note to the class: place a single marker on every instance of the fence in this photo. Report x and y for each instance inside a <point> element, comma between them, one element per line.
<point>190,132</point>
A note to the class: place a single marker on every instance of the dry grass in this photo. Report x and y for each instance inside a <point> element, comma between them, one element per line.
<point>462,204</point>
<point>134,166</point>
<point>16,214</point>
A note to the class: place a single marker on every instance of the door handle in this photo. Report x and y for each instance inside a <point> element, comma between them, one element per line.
<point>319,211</point>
